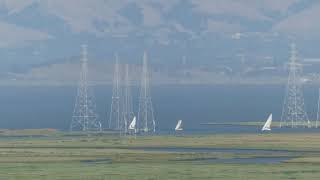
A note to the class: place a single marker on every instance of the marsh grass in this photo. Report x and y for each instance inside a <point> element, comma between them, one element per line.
<point>59,155</point>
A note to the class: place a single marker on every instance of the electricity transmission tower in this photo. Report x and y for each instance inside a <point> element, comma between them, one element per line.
<point>114,119</point>
<point>127,108</point>
<point>146,121</point>
<point>293,112</point>
<point>84,116</point>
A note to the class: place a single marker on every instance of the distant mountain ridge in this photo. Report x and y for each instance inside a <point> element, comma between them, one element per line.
<point>35,32</point>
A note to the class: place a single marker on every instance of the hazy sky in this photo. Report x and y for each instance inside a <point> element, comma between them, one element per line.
<point>37,31</point>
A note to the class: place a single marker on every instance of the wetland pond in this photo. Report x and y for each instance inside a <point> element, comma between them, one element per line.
<point>260,156</point>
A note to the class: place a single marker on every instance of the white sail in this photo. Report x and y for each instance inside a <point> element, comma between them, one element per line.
<point>179,126</point>
<point>267,125</point>
<point>132,125</point>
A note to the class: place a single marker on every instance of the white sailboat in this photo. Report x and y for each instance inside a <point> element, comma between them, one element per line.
<point>179,126</point>
<point>267,125</point>
<point>133,124</point>
<point>132,127</point>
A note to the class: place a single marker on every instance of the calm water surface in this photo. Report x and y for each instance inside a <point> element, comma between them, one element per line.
<point>52,107</point>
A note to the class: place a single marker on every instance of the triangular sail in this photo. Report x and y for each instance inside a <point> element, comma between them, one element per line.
<point>132,125</point>
<point>267,125</point>
<point>179,126</point>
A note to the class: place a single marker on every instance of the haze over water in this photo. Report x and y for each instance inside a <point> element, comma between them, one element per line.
<point>52,107</point>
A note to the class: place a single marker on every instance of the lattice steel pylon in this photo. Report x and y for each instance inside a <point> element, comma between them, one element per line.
<point>293,112</point>
<point>114,119</point>
<point>126,103</point>
<point>146,121</point>
<point>84,116</point>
